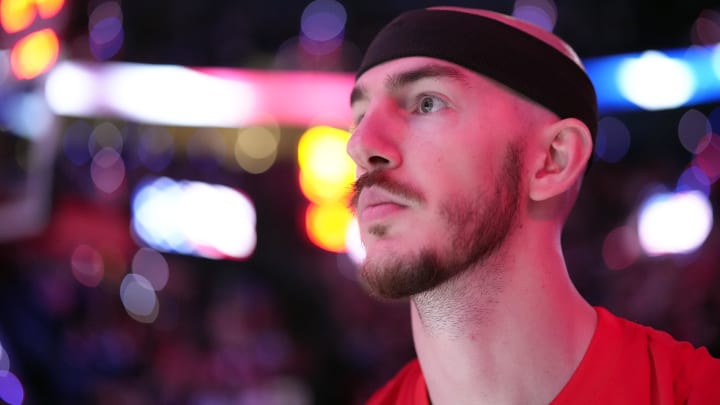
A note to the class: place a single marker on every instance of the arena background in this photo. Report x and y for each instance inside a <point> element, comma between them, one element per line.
<point>104,300</point>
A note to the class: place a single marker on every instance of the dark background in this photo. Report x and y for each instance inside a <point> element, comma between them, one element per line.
<point>291,320</point>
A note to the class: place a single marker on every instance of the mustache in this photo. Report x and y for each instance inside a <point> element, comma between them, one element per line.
<point>382,179</point>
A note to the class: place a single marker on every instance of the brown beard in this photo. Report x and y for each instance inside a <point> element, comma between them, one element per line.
<point>476,228</point>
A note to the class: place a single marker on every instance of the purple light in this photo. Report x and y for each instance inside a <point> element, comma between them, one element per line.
<point>75,142</point>
<point>693,178</point>
<point>11,389</point>
<point>107,170</point>
<point>709,159</point>
<point>542,13</point>
<point>106,38</point>
<point>322,27</point>
<point>323,20</point>
<point>106,31</point>
<point>613,140</point>
<point>694,131</point>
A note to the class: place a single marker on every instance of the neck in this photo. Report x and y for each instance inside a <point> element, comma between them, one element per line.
<point>504,332</point>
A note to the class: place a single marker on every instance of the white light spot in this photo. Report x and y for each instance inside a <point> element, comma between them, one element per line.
<point>671,223</point>
<point>654,81</point>
<point>177,95</point>
<point>195,218</point>
<point>71,89</point>
<point>355,248</point>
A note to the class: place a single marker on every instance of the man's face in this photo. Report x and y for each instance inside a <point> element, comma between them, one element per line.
<point>439,172</point>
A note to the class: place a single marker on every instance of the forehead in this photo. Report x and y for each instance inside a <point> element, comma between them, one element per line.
<point>397,74</point>
<point>387,71</point>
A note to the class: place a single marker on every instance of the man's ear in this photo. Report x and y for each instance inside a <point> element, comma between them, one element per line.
<point>561,157</point>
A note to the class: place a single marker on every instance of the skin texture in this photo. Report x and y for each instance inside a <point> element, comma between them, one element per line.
<point>463,188</point>
<point>420,176</point>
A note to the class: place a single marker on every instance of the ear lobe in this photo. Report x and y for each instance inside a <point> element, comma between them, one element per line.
<point>565,148</point>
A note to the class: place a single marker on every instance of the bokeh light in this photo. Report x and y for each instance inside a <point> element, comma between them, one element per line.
<point>644,81</point>
<point>693,178</point>
<point>105,135</point>
<point>49,8</point>
<point>613,140</point>
<point>27,115</point>
<point>327,225</point>
<point>706,28</point>
<point>87,265</point>
<point>542,13</point>
<point>673,223</point>
<point>139,298</point>
<point>35,54</point>
<point>107,170</point>
<point>256,148</point>
<point>16,15</point>
<point>71,88</point>
<point>164,94</point>
<point>4,66</point>
<point>709,159</point>
<point>156,148</point>
<point>714,118</point>
<point>716,60</point>
<point>4,360</point>
<point>205,149</point>
<point>106,30</point>
<point>694,131</point>
<point>11,389</point>
<point>228,227</point>
<point>152,265</point>
<point>355,248</point>
<point>194,218</point>
<point>75,142</point>
<point>323,20</point>
<point>322,25</point>
<point>621,248</point>
<point>326,170</point>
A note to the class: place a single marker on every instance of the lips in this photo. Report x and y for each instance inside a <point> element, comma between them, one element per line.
<point>376,203</point>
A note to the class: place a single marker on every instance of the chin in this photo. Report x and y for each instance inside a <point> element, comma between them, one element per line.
<point>396,274</point>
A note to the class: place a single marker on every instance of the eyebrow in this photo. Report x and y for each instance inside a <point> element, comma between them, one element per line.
<point>398,80</point>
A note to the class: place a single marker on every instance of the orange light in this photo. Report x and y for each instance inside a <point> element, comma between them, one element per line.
<point>49,8</point>
<point>327,224</point>
<point>326,170</point>
<point>16,15</point>
<point>34,54</point>
<point>321,191</point>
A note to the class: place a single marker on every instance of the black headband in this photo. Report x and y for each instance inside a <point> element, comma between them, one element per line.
<point>494,49</point>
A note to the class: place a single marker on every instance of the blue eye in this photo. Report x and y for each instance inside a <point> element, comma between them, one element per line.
<point>430,104</point>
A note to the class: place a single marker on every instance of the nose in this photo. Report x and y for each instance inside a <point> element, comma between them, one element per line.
<point>373,144</point>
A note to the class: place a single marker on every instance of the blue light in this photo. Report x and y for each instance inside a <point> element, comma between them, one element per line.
<point>605,73</point>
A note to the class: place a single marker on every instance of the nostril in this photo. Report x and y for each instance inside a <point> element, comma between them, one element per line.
<point>378,160</point>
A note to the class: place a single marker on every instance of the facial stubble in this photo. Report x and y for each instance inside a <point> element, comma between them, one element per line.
<point>477,227</point>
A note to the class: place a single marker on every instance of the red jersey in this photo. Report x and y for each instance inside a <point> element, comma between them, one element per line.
<point>626,363</point>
